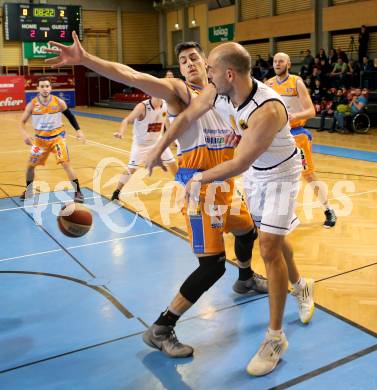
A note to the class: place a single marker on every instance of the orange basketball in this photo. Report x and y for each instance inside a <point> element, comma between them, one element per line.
<point>75,220</point>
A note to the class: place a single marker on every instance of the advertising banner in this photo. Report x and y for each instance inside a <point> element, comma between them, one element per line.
<point>12,93</point>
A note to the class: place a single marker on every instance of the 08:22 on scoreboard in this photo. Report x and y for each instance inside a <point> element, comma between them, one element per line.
<point>41,22</point>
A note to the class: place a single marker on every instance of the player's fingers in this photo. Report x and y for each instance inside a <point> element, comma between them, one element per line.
<point>57,44</point>
<point>75,37</point>
<point>57,65</point>
<point>52,60</point>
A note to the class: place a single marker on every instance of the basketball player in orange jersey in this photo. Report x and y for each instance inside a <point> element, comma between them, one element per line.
<point>201,147</point>
<point>46,112</point>
<point>300,108</point>
<point>148,118</point>
<point>271,165</point>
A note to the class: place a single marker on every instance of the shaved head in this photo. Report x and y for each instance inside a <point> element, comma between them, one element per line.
<point>281,64</point>
<point>232,55</point>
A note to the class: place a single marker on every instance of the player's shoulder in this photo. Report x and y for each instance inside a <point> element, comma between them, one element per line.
<point>271,82</point>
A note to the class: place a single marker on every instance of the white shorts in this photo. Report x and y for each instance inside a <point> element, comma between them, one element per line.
<point>139,153</point>
<point>271,196</point>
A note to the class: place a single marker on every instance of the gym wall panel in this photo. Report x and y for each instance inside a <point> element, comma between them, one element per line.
<point>293,47</point>
<point>276,26</point>
<point>286,6</point>
<point>140,37</point>
<point>100,28</point>
<point>251,9</point>
<point>172,18</point>
<point>353,15</point>
<point>261,48</point>
<point>10,52</point>
<point>201,12</point>
<point>226,15</point>
<point>343,41</point>
<point>335,2</point>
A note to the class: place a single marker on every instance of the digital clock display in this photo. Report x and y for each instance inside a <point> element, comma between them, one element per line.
<point>44,12</point>
<point>33,22</point>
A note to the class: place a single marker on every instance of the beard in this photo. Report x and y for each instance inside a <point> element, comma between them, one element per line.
<point>282,71</point>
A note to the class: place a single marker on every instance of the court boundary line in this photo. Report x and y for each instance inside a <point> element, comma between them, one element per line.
<point>102,290</point>
<point>326,368</point>
<point>79,246</point>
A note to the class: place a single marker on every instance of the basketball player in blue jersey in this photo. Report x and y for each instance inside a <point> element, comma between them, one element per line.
<point>198,152</point>
<point>46,112</point>
<point>268,156</point>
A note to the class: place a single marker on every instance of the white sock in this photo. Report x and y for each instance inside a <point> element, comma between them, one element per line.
<point>274,333</point>
<point>299,285</point>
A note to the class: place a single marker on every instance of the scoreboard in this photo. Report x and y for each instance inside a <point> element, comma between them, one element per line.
<point>41,22</point>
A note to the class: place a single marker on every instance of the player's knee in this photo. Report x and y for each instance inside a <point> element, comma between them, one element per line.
<point>210,270</point>
<point>243,245</point>
<point>270,250</point>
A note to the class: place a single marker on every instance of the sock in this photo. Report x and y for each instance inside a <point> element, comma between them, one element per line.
<point>299,285</point>
<point>244,273</point>
<point>116,192</point>
<point>167,318</point>
<point>76,185</point>
<point>274,333</point>
<point>28,182</point>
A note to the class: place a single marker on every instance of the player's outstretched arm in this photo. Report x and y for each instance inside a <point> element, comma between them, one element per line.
<point>195,110</point>
<point>77,55</point>
<point>137,113</point>
<point>72,120</point>
<point>263,125</point>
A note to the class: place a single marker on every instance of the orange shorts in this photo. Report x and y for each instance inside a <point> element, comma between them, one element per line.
<point>304,142</point>
<point>41,148</point>
<point>207,220</point>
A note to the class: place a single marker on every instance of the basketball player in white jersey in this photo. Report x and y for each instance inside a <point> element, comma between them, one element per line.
<point>46,112</point>
<point>201,147</point>
<point>293,91</point>
<point>148,118</point>
<point>268,155</point>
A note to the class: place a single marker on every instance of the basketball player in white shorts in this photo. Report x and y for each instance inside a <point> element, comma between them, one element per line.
<point>268,155</point>
<point>148,118</point>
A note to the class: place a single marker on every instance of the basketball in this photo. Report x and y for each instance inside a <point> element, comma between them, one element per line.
<point>74,220</point>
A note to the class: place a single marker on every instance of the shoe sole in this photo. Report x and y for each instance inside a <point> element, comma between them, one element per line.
<point>285,346</point>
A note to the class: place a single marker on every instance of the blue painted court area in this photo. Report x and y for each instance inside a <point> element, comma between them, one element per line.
<point>73,311</point>
<point>322,149</point>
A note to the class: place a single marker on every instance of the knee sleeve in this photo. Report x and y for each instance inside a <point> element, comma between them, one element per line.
<point>210,270</point>
<point>243,245</point>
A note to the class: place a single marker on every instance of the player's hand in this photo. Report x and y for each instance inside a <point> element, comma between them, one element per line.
<point>66,55</point>
<point>192,188</point>
<point>291,117</point>
<point>118,135</point>
<point>154,160</point>
<point>28,140</point>
<point>80,136</point>
<point>232,139</point>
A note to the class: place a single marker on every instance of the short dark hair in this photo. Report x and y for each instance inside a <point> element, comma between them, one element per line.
<point>188,45</point>
<point>44,78</point>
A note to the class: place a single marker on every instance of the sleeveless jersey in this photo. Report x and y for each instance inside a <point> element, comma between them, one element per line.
<point>287,89</point>
<point>147,131</point>
<point>202,145</point>
<point>283,145</point>
<point>46,117</point>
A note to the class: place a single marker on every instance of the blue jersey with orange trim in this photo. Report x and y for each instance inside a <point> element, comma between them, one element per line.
<point>287,89</point>
<point>47,117</point>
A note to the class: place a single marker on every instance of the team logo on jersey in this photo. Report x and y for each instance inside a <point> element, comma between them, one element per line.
<point>217,220</point>
<point>54,108</point>
<point>164,114</point>
<point>59,151</point>
<point>37,107</point>
<point>36,151</point>
<point>242,124</point>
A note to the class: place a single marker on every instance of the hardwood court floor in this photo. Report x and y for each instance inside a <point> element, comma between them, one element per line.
<point>342,260</point>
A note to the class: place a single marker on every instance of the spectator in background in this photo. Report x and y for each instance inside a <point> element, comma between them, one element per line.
<point>366,65</point>
<point>363,43</point>
<point>308,84</point>
<point>318,95</point>
<point>331,108</point>
<point>353,73</point>
<point>307,64</point>
<point>322,55</point>
<point>332,59</point>
<point>261,67</point>
<point>341,54</point>
<point>338,73</point>
<point>169,74</point>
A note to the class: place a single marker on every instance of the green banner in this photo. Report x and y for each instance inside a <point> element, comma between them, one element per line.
<point>37,49</point>
<point>221,33</point>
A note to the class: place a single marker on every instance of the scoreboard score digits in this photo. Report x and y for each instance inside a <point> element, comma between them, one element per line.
<point>35,22</point>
